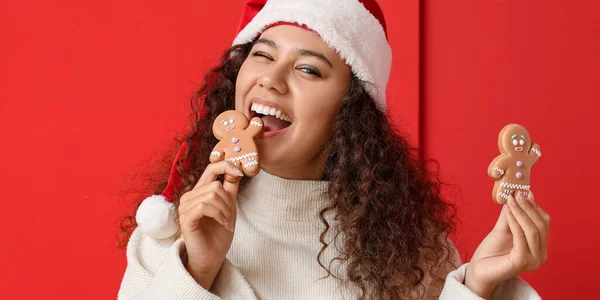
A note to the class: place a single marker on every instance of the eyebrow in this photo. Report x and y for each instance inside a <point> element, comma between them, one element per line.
<point>302,52</point>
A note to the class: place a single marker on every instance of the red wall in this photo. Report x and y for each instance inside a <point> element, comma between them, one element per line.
<point>92,92</point>
<point>490,63</point>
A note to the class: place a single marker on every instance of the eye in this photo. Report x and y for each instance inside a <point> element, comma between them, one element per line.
<point>515,142</point>
<point>521,142</point>
<point>258,53</point>
<point>224,122</point>
<point>311,71</point>
<point>231,120</point>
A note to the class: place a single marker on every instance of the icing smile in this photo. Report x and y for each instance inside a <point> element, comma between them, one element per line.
<point>518,149</point>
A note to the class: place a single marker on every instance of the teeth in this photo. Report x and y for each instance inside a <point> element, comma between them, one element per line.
<point>267,110</point>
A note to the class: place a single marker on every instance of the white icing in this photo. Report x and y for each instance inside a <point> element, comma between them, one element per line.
<point>508,185</point>
<point>250,155</point>
<point>499,170</point>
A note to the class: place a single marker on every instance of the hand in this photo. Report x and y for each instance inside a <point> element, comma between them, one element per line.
<point>516,244</point>
<point>207,216</point>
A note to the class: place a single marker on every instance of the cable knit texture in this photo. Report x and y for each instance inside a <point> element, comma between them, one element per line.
<point>273,254</point>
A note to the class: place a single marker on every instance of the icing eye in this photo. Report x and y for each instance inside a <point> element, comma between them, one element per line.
<point>224,122</point>
<point>515,142</point>
<point>230,119</point>
<point>521,142</point>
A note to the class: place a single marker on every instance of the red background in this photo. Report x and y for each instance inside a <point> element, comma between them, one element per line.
<point>92,91</point>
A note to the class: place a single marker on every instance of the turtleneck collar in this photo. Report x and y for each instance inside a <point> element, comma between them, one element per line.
<point>283,199</point>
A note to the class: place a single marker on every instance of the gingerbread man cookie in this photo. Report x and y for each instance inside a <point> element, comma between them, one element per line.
<point>236,138</point>
<point>512,168</point>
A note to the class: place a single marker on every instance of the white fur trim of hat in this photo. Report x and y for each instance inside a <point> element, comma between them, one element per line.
<point>345,25</point>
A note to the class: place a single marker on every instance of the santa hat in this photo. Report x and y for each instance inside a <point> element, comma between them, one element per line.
<point>356,29</point>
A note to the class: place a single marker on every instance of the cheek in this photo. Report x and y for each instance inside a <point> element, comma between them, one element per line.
<point>315,123</point>
<point>320,100</point>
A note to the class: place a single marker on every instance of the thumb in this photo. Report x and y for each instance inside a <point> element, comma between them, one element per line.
<point>231,185</point>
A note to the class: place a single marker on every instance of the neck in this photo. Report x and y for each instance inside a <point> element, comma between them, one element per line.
<point>312,170</point>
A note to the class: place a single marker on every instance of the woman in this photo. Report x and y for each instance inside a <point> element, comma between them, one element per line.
<point>342,208</point>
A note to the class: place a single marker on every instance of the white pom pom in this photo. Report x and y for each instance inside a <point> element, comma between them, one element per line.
<point>157,217</point>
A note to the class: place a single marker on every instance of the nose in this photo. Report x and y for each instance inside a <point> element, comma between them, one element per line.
<point>273,78</point>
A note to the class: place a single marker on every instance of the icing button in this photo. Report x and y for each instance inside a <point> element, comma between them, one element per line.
<point>238,149</point>
<point>235,140</point>
<point>520,164</point>
<point>519,175</point>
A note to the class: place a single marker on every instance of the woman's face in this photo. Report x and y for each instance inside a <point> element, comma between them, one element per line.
<point>295,83</point>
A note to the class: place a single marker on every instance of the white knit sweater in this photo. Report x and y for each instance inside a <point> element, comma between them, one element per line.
<point>273,254</point>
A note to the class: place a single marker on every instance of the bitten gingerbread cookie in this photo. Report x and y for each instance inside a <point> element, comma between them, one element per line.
<point>512,168</point>
<point>237,141</point>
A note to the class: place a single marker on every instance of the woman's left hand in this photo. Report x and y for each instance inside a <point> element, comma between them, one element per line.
<point>517,244</point>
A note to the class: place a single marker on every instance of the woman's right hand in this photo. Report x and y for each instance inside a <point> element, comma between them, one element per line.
<point>207,216</point>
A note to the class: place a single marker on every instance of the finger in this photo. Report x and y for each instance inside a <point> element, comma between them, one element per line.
<point>192,217</point>
<point>535,218</point>
<point>546,226</point>
<point>545,216</point>
<point>531,231</point>
<point>214,186</point>
<point>502,223</point>
<point>216,169</point>
<point>231,188</point>
<point>213,198</point>
<point>519,241</point>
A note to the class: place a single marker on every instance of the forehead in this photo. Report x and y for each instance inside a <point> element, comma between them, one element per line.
<point>289,37</point>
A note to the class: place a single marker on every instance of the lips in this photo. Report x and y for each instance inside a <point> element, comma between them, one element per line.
<point>232,126</point>
<point>518,149</point>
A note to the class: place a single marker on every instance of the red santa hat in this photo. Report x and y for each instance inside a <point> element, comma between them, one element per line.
<point>356,29</point>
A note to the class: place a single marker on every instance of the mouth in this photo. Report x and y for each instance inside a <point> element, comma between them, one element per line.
<point>232,126</point>
<point>274,118</point>
<point>518,149</point>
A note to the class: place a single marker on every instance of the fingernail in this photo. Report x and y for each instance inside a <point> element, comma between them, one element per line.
<point>511,200</point>
<point>239,173</point>
<point>519,197</point>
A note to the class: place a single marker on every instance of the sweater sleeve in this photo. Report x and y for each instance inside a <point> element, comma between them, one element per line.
<point>512,289</point>
<point>155,271</point>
